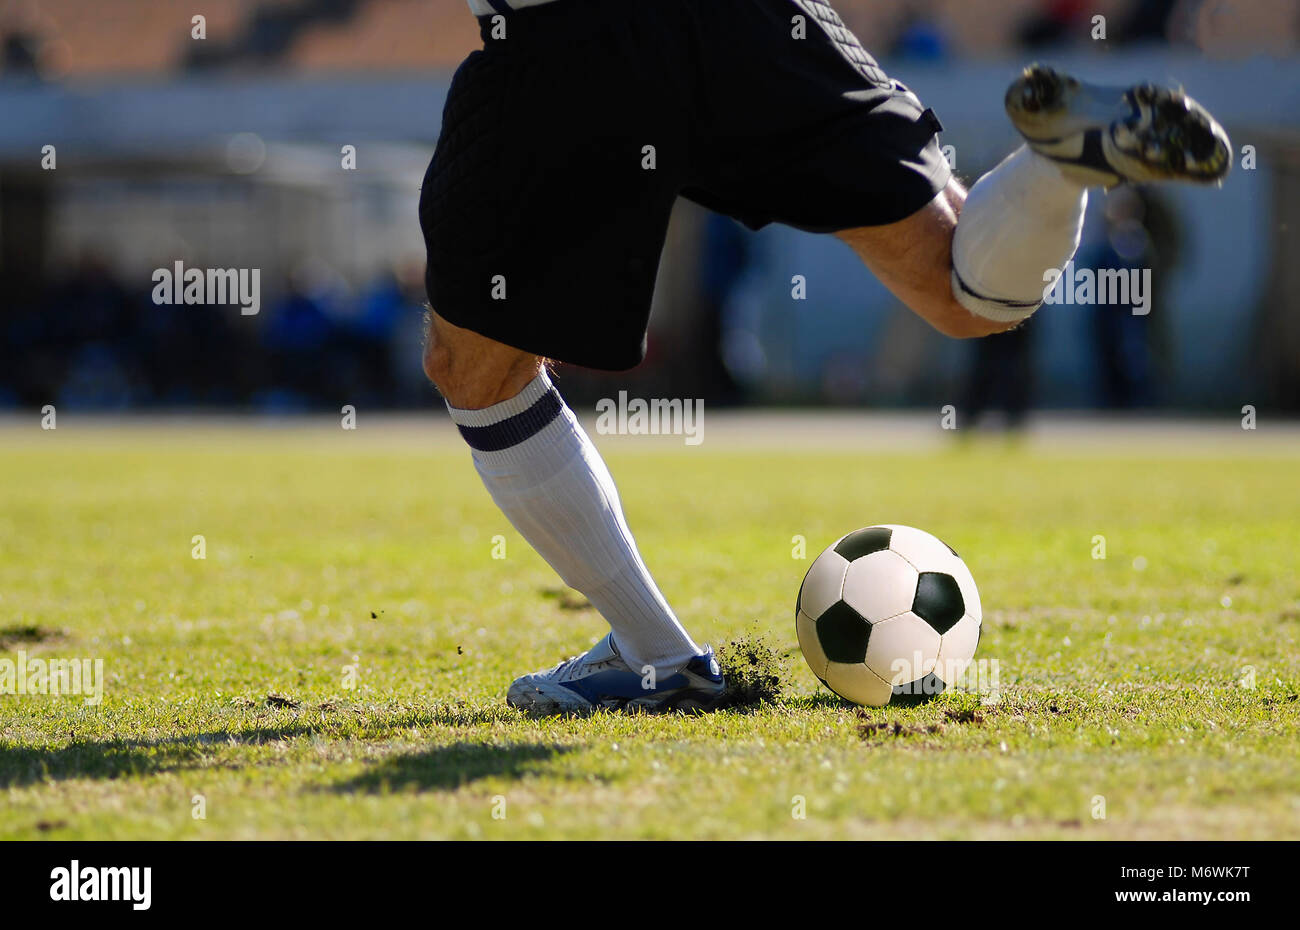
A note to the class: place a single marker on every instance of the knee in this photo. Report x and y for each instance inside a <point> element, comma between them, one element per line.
<point>471,371</point>
<point>437,360</point>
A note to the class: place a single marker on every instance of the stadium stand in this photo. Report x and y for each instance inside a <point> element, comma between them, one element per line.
<point>79,38</point>
<point>226,153</point>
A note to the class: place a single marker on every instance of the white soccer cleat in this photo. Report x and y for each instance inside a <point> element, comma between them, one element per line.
<point>600,679</point>
<point>1105,135</point>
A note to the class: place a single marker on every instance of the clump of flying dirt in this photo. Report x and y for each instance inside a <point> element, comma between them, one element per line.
<point>27,634</point>
<point>872,729</point>
<point>753,671</point>
<point>969,715</point>
<point>566,599</point>
<point>876,730</point>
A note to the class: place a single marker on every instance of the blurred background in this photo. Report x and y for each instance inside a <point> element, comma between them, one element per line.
<point>127,145</point>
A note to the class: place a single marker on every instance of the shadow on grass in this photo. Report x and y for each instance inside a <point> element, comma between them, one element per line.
<point>453,766</point>
<point>566,599</point>
<point>818,700</point>
<point>125,758</point>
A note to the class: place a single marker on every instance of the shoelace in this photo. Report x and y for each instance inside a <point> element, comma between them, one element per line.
<point>566,665</point>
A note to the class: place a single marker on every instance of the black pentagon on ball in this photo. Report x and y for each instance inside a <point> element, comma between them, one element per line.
<point>938,600</point>
<point>843,633</point>
<point>864,542</point>
<point>919,691</point>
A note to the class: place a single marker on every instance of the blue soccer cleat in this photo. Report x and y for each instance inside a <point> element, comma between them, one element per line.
<point>600,679</point>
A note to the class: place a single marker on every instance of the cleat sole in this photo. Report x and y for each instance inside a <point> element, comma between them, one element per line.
<point>1104,136</point>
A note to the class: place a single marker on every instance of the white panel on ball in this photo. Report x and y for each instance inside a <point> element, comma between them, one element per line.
<point>823,584</point>
<point>880,585</point>
<point>856,682</point>
<point>957,649</point>
<point>806,628</point>
<point>928,553</point>
<point>905,639</point>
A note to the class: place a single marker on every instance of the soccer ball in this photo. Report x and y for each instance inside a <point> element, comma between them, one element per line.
<point>888,613</point>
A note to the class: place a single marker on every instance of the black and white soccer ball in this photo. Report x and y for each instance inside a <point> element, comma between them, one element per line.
<point>888,613</point>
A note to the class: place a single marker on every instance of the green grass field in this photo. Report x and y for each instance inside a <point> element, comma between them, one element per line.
<point>1163,679</point>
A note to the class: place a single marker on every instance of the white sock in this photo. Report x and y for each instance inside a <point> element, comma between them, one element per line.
<point>1019,220</point>
<point>549,480</point>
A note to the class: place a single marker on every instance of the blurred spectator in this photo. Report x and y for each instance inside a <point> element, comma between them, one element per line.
<point>92,342</point>
<point>20,56</point>
<point>298,336</point>
<point>1060,22</point>
<point>381,333</point>
<point>1001,377</point>
<point>919,38</point>
<point>1148,21</point>
<point>1121,340</point>
<point>20,40</point>
<point>727,250</point>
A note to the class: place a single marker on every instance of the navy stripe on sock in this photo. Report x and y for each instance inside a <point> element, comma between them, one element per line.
<point>513,430</point>
<point>500,6</point>
<point>1010,304</point>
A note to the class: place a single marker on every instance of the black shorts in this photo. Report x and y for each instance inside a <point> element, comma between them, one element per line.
<point>565,143</point>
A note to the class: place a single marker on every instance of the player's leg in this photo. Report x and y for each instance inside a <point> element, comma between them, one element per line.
<point>471,371</point>
<point>543,227</point>
<point>912,258</point>
<point>844,148</point>
<point>1018,220</point>
<point>543,472</point>
<point>829,143</point>
<point>981,263</point>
